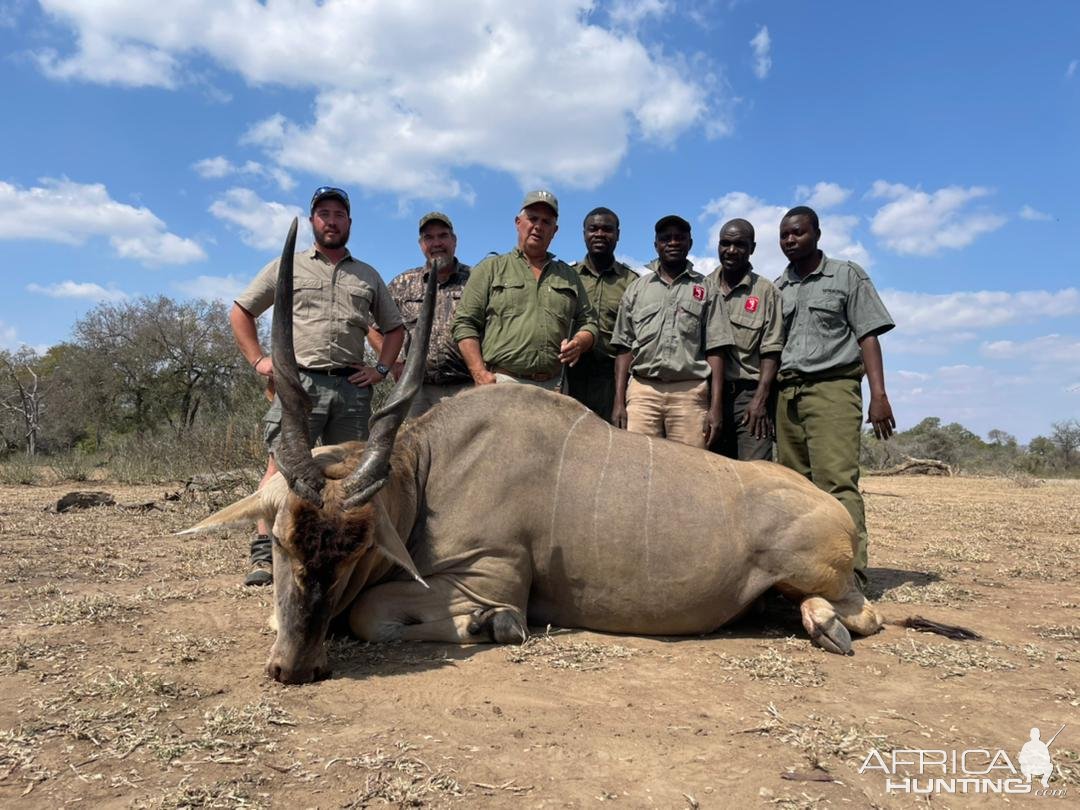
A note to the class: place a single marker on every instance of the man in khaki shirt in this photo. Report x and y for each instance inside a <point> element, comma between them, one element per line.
<point>591,381</point>
<point>757,325</point>
<point>671,332</point>
<point>335,297</point>
<point>524,315</point>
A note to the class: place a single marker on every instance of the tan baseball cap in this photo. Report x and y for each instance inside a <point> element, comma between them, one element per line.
<point>436,216</point>
<point>541,196</point>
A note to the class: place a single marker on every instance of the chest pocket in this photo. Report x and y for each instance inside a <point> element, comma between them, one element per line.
<point>689,321</point>
<point>747,326</point>
<point>647,322</point>
<point>827,310</point>
<point>307,298</point>
<point>507,298</point>
<point>356,300</point>
<point>560,301</point>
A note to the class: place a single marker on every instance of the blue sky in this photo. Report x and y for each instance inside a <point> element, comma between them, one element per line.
<point>162,148</point>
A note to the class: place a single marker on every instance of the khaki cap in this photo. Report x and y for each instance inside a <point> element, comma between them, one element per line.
<point>436,216</point>
<point>541,196</point>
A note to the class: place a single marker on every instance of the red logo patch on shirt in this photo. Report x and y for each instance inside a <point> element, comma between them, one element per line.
<point>699,292</point>
<point>751,303</point>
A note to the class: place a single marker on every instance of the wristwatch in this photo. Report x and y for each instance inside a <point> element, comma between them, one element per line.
<point>383,370</point>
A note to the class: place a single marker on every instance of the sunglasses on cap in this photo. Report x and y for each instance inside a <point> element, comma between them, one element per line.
<point>330,191</point>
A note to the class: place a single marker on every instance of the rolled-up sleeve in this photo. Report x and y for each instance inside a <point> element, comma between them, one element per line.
<point>384,311</point>
<point>718,332</point>
<point>259,295</point>
<point>772,334</point>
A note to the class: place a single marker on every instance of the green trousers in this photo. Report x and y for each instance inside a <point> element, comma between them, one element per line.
<point>818,434</point>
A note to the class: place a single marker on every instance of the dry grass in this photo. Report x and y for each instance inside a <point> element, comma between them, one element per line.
<point>955,659</point>
<point>1063,632</point>
<point>563,653</point>
<point>933,593</point>
<point>822,740</point>
<point>90,609</point>
<point>399,778</point>
<point>774,667</point>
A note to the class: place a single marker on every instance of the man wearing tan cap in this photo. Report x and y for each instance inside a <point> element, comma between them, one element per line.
<point>446,372</point>
<point>524,315</point>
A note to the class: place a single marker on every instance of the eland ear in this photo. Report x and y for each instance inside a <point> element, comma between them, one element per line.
<point>244,512</point>
<point>390,545</point>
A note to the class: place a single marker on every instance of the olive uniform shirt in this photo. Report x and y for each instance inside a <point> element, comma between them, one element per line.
<point>521,321</point>
<point>445,366</point>
<point>826,314</point>
<point>605,290</point>
<point>333,305</point>
<point>668,329</point>
<point>757,326</point>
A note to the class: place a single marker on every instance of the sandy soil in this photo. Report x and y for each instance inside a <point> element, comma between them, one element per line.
<point>131,675</point>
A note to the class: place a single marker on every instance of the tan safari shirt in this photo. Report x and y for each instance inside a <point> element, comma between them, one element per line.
<point>668,329</point>
<point>826,314</point>
<point>333,305</point>
<point>520,321</point>
<point>757,325</point>
<point>605,290</point>
<point>445,365</point>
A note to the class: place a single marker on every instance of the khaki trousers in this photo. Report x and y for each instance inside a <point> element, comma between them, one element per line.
<point>671,410</point>
<point>818,434</point>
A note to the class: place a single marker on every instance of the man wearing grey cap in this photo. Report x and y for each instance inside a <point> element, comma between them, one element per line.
<point>524,314</point>
<point>335,298</point>
<point>671,334</point>
<point>446,372</point>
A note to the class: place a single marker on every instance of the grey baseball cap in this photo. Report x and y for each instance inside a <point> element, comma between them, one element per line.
<point>541,196</point>
<point>672,220</point>
<point>436,216</point>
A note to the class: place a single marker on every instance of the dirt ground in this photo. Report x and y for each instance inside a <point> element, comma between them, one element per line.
<point>131,675</point>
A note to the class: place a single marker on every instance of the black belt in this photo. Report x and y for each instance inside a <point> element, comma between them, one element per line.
<point>734,386</point>
<point>346,371</point>
<point>540,376</point>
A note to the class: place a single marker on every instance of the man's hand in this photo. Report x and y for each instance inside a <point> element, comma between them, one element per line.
<point>570,351</point>
<point>265,366</point>
<point>757,421</point>
<point>483,377</point>
<point>365,376</point>
<point>618,415</point>
<point>713,427</point>
<point>881,416</point>
<point>397,369</point>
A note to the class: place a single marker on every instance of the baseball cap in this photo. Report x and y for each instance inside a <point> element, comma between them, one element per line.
<point>322,192</point>
<point>436,216</point>
<point>541,196</point>
<point>672,219</point>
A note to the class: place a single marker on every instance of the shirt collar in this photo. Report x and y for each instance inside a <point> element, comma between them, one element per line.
<point>791,277</point>
<point>688,271</point>
<point>313,253</point>
<point>586,263</point>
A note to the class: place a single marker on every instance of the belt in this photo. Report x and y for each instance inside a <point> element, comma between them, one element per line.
<point>734,386</point>
<point>540,376</point>
<point>852,371</point>
<point>346,371</point>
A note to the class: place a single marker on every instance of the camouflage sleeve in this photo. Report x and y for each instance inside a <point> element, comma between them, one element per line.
<point>384,311</point>
<point>865,311</point>
<point>259,295</point>
<point>772,335</point>
<point>717,324</point>
<point>622,336</point>
<point>471,315</point>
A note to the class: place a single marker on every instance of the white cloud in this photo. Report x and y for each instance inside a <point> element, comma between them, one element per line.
<point>1033,214</point>
<point>631,13</point>
<point>8,338</point>
<point>220,288</point>
<point>920,224</point>
<point>822,196</point>
<point>920,313</point>
<point>75,289</point>
<point>263,224</point>
<point>495,88</point>
<point>219,167</point>
<point>60,210</point>
<point>762,46</point>
<point>1061,350</point>
<point>837,231</point>
<point>1070,71</point>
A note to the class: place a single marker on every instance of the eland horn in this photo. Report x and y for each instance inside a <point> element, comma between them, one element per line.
<point>293,451</point>
<point>374,465</point>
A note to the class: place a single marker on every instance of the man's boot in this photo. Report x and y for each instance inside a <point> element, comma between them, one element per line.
<point>262,562</point>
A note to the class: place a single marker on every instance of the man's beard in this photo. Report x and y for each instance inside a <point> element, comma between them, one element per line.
<point>332,241</point>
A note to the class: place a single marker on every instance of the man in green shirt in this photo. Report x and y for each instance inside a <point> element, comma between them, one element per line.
<point>833,317</point>
<point>524,315</point>
<point>753,306</point>
<point>591,381</point>
<point>672,333</point>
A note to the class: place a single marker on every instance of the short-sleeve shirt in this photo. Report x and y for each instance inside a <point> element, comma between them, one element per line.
<point>826,314</point>
<point>757,325</point>
<point>669,328</point>
<point>521,321</point>
<point>333,305</point>
<point>605,289</point>
<point>445,366</point>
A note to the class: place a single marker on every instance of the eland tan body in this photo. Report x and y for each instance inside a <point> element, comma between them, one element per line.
<point>509,505</point>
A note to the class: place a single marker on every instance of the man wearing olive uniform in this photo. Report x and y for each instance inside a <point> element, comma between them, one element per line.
<point>591,381</point>
<point>446,373</point>
<point>753,307</point>
<point>833,317</point>
<point>524,314</point>
<point>671,333</point>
